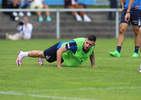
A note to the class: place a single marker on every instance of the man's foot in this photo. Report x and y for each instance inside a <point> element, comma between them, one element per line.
<point>140,68</point>
<point>115,53</point>
<point>40,61</point>
<point>19,58</point>
<point>135,54</point>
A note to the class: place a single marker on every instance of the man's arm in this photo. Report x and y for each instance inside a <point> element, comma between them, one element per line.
<point>43,2</point>
<point>122,4</point>
<point>127,16</point>
<point>76,3</point>
<point>92,59</point>
<point>59,55</point>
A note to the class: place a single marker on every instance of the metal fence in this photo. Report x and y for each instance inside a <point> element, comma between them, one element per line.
<point>70,10</point>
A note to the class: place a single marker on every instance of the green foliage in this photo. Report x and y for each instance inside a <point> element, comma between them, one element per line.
<point>113,79</point>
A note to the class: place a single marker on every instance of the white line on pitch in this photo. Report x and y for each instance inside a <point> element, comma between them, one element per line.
<point>110,88</point>
<point>43,96</point>
<point>91,88</point>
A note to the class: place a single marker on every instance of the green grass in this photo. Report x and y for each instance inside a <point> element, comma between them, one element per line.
<point>113,79</point>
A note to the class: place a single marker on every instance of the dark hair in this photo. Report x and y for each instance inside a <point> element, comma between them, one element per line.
<point>92,38</point>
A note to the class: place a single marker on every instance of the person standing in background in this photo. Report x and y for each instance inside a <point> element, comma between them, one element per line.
<point>124,25</point>
<point>113,4</point>
<point>128,16</point>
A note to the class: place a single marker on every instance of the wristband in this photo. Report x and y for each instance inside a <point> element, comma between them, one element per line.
<point>127,12</point>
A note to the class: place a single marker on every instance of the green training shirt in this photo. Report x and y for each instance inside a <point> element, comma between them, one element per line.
<point>79,57</point>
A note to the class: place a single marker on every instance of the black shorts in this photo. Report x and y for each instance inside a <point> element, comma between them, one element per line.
<point>139,18</point>
<point>51,53</point>
<point>133,17</point>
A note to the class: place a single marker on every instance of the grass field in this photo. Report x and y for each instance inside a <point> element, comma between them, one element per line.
<point>113,79</point>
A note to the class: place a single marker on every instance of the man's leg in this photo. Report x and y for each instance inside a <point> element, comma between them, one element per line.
<point>140,39</point>
<point>25,37</point>
<point>38,13</point>
<point>34,53</point>
<point>137,40</point>
<point>140,46</point>
<point>123,27</point>
<point>40,18</point>
<point>38,54</point>
<point>16,36</point>
<point>48,18</point>
<point>83,13</point>
<point>139,24</point>
<point>74,13</point>
<point>47,12</point>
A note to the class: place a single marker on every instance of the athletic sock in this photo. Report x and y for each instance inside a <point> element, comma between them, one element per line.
<point>136,49</point>
<point>24,54</point>
<point>118,48</point>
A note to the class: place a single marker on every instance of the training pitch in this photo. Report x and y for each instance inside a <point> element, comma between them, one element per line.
<point>113,79</point>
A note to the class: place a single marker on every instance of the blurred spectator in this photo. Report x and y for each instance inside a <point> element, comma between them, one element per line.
<point>8,4</point>
<point>39,4</point>
<point>72,4</point>
<point>113,4</point>
<point>25,29</point>
<point>25,4</point>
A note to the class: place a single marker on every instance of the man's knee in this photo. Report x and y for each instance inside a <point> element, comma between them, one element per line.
<point>136,31</point>
<point>41,54</point>
<point>122,31</point>
<point>79,6</point>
